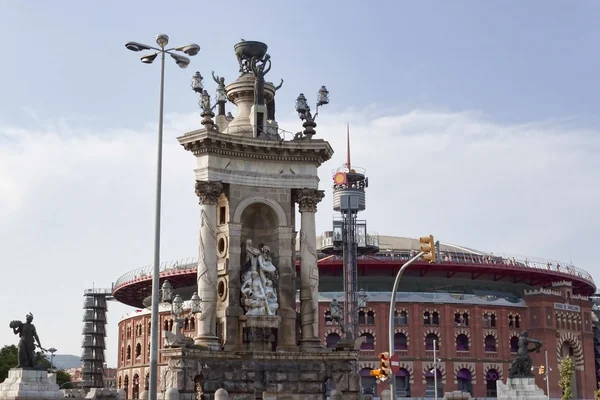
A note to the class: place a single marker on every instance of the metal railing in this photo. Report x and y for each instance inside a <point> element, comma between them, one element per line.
<point>371,240</point>
<point>266,132</point>
<point>447,257</point>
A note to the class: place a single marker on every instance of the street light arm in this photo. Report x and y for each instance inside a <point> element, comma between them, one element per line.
<point>391,316</point>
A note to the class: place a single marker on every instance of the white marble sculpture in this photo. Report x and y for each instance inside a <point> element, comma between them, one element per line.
<point>258,292</point>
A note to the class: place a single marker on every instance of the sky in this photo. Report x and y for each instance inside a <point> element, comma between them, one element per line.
<point>476,121</point>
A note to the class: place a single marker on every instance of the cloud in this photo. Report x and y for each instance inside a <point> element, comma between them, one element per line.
<point>77,205</point>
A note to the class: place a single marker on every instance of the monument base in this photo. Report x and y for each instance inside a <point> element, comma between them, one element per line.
<point>519,389</point>
<point>28,384</point>
<point>251,375</point>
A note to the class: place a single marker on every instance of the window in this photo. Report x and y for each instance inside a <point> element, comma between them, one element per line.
<point>514,344</point>
<point>400,341</point>
<point>429,340</point>
<point>222,215</point>
<point>362,317</point>
<point>435,318</point>
<point>517,322</point>
<point>464,380</point>
<point>403,383</point>
<point>128,352</point>
<point>369,343</point>
<point>332,340</point>
<point>490,379</point>
<point>486,321</point>
<point>462,343</point>
<point>368,383</point>
<point>138,350</point>
<point>186,324</point>
<point>193,323</point>
<point>490,343</point>
<point>493,320</point>
<point>430,381</point>
<point>403,318</point>
<point>328,319</point>
<point>426,318</point>
<point>371,318</point>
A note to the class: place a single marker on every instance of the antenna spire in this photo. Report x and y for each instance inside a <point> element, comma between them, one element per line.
<point>348,146</point>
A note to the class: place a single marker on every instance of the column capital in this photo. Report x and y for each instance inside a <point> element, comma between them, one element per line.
<point>308,199</point>
<point>208,192</point>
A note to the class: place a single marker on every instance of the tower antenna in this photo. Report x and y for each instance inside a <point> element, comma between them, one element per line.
<point>348,146</point>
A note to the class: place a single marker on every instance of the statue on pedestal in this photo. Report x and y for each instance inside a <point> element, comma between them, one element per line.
<point>29,336</point>
<point>259,296</point>
<point>521,365</point>
<point>260,67</point>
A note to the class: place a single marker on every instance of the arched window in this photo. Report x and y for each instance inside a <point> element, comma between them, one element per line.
<point>400,341</point>
<point>403,318</point>
<point>465,317</point>
<point>149,327</point>
<point>464,381</point>
<point>462,343</point>
<point>186,324</point>
<point>490,379</point>
<point>369,343</point>
<point>403,383</point>
<point>119,384</point>
<point>486,321</point>
<point>122,354</point>
<point>430,381</point>
<point>429,339</point>
<point>490,343</point>
<point>517,322</point>
<point>126,386</point>
<point>136,386</point>
<point>170,324</point>
<point>147,382</point>
<point>166,325</point>
<point>138,350</point>
<point>193,323</point>
<point>435,318</point>
<point>128,352</point>
<point>566,350</point>
<point>362,317</point>
<point>426,318</point>
<point>514,344</point>
<point>368,383</point>
<point>511,322</point>
<point>332,340</point>
<point>493,320</point>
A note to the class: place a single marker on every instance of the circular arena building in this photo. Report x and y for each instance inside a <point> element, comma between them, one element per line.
<point>473,305</point>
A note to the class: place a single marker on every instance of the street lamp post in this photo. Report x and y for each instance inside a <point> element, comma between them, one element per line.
<point>391,316</point>
<point>52,350</point>
<point>191,50</point>
<point>303,110</point>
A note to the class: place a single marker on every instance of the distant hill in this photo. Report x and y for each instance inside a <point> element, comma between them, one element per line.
<point>66,361</point>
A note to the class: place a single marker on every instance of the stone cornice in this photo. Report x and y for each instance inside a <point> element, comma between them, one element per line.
<point>209,142</point>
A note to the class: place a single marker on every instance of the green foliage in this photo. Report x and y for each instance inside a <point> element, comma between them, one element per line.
<point>9,358</point>
<point>63,378</point>
<point>597,394</point>
<point>567,368</point>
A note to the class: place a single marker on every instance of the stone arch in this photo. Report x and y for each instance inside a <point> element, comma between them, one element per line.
<point>405,331</point>
<point>333,329</point>
<point>498,367</point>
<point>428,366</point>
<point>281,217</point>
<point>427,331</point>
<point>465,365</point>
<point>368,330</point>
<point>574,341</point>
<point>490,332</point>
<point>408,365</point>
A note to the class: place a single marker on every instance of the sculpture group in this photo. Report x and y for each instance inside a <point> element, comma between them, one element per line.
<point>521,365</point>
<point>259,296</point>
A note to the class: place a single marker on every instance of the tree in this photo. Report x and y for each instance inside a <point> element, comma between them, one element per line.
<point>9,358</point>
<point>63,378</point>
<point>567,368</point>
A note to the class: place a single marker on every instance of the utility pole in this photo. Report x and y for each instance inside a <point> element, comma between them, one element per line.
<point>547,376</point>
<point>435,369</point>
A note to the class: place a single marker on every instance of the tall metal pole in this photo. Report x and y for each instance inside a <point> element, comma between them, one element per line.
<point>153,387</point>
<point>391,317</point>
<point>435,369</point>
<point>547,376</point>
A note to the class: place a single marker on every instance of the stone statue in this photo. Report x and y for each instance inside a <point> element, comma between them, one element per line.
<point>28,334</point>
<point>219,80</point>
<point>259,296</point>
<point>260,67</point>
<point>521,365</point>
<point>271,104</point>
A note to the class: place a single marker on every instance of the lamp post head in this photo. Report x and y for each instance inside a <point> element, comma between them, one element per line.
<point>177,306</point>
<point>135,46</point>
<point>162,40</point>
<point>335,310</point>
<point>197,80</point>
<point>323,96</point>
<point>195,304</point>
<point>52,350</point>
<point>191,49</point>
<point>301,105</point>
<point>361,298</point>
<point>167,292</point>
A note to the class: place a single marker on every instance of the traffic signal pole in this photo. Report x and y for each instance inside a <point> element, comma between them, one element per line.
<point>547,376</point>
<point>391,317</point>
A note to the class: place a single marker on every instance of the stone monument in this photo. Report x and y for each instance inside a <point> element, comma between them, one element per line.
<point>250,340</point>
<point>25,381</point>
<point>521,382</point>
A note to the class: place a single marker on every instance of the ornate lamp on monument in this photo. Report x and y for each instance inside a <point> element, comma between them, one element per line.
<point>303,110</point>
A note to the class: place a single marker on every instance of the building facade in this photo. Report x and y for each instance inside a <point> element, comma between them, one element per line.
<point>474,311</point>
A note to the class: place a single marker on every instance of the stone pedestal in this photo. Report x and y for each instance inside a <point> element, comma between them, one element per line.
<point>259,333</point>
<point>519,389</point>
<point>26,384</point>
<point>251,375</point>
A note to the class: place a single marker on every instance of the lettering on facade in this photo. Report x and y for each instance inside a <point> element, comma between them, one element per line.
<point>567,307</point>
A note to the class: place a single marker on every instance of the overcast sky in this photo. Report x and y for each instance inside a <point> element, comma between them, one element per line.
<point>476,121</point>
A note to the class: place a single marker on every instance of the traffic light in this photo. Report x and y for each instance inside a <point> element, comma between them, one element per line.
<point>428,248</point>
<point>384,371</point>
<point>542,369</point>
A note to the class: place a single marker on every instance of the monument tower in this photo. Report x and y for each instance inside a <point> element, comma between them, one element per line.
<point>250,177</point>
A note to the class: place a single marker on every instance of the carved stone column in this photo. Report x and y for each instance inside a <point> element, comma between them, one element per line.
<point>307,200</point>
<point>208,192</point>
<point>287,340</point>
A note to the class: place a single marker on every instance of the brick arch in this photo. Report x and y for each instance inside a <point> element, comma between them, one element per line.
<point>463,311</point>
<point>431,311</point>
<point>490,313</point>
<point>367,364</point>
<point>498,367</point>
<point>408,365</point>
<point>332,329</point>
<point>490,332</point>
<point>405,331</point>
<point>575,341</point>
<point>465,365</point>
<point>427,366</point>
<point>368,330</point>
<point>400,309</point>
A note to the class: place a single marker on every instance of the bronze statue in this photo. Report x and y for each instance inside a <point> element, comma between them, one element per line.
<point>521,365</point>
<point>271,104</point>
<point>260,67</point>
<point>28,334</point>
